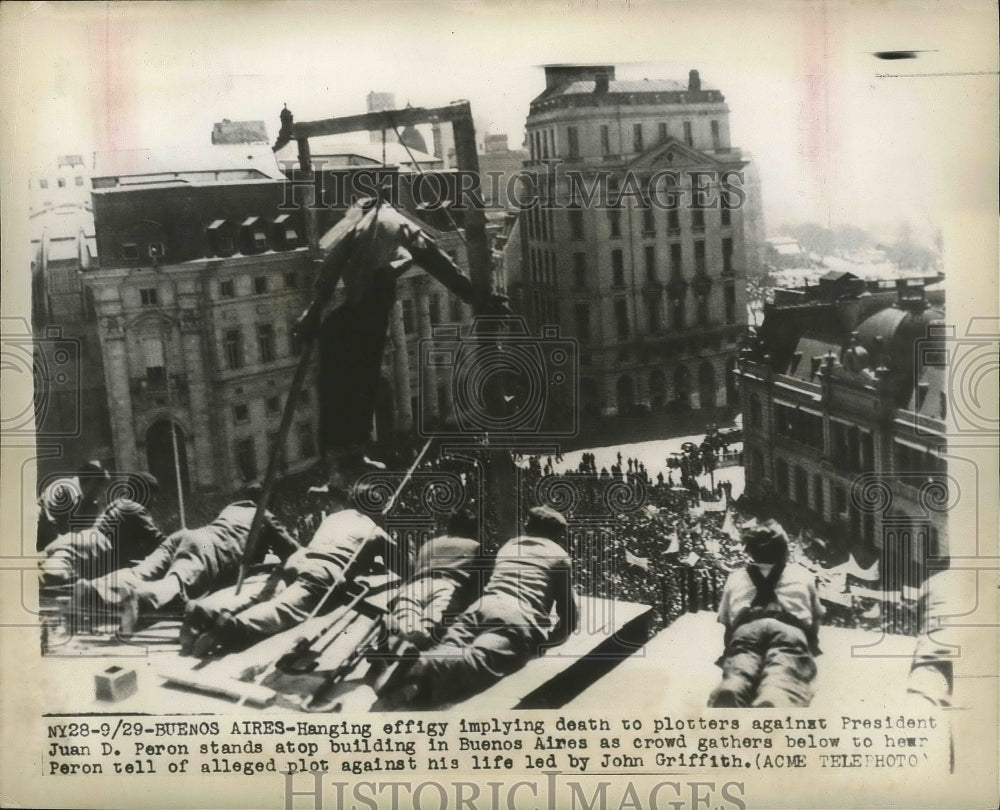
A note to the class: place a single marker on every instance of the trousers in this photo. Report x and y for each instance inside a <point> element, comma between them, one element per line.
<point>475,653</point>
<point>767,663</point>
<point>351,344</point>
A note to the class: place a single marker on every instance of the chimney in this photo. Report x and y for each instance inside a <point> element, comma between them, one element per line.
<point>601,82</point>
<point>694,82</point>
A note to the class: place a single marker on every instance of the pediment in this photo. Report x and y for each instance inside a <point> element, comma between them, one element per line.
<point>675,154</point>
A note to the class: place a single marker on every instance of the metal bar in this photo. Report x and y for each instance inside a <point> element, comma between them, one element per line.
<point>271,477</point>
<point>375,121</point>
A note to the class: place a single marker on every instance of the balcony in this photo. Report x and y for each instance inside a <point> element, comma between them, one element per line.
<point>152,391</point>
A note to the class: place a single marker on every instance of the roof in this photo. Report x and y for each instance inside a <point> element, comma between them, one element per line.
<point>629,86</point>
<point>837,275</point>
<point>810,348</point>
<point>235,162</point>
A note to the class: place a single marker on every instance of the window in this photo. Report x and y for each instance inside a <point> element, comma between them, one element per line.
<point>818,505</point>
<point>755,411</point>
<point>43,183</point>
<point>246,459</point>
<point>241,413</point>
<point>285,234</point>
<point>307,447</point>
<point>260,285</point>
<point>653,309</point>
<point>272,405</point>
<point>782,476</point>
<point>943,405</point>
<point>156,250</point>
<point>840,496</point>
<point>662,132</point>
<point>409,324</point>
<point>617,268</point>
<point>579,270</point>
<point>699,257</point>
<point>678,305</point>
<point>79,180</point>
<point>798,425</point>
<point>727,255</point>
<point>265,343</point>
<point>130,250</point>
<point>673,220</point>
<point>716,140</point>
<point>702,299</point>
<point>697,219</point>
<point>725,217</point>
<point>149,297</point>
<point>675,260</point>
<point>156,365</point>
<point>220,238</point>
<point>294,344</point>
<point>62,182</point>
<point>581,317</point>
<point>435,308</point>
<point>605,140</point>
<point>801,493</point>
<point>648,220</point>
<point>272,444</point>
<point>573,141</point>
<point>456,310</point>
<point>576,223</point>
<point>730,303</point>
<point>291,280</point>
<point>637,137</point>
<point>621,318</point>
<point>688,137</point>
<point>650,263</point>
<point>615,224</point>
<point>232,344</point>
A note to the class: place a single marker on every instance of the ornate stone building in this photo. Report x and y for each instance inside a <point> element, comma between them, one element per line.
<point>202,275</point>
<point>844,403</point>
<point>648,273</point>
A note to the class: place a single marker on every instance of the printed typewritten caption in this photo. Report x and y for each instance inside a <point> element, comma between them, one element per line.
<point>148,746</point>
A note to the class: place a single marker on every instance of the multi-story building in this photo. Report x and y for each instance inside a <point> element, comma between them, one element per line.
<point>72,416</point>
<point>203,273</point>
<point>844,401</point>
<point>65,183</point>
<point>649,277</point>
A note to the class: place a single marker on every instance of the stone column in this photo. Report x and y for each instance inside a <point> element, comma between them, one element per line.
<point>205,469</point>
<point>116,376</point>
<point>428,375</point>
<point>401,371</point>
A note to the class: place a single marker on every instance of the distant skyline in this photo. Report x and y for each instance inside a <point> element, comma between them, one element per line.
<point>834,141</point>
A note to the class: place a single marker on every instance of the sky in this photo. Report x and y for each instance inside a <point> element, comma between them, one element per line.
<point>833,140</point>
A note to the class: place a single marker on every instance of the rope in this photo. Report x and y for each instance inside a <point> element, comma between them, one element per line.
<point>422,173</point>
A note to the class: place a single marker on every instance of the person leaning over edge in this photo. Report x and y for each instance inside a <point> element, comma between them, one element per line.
<point>771,612</point>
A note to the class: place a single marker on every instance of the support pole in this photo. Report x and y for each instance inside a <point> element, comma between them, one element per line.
<point>298,381</point>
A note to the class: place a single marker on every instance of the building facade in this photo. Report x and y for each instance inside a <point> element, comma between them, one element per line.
<point>203,274</point>
<point>844,405</point>
<point>648,273</point>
